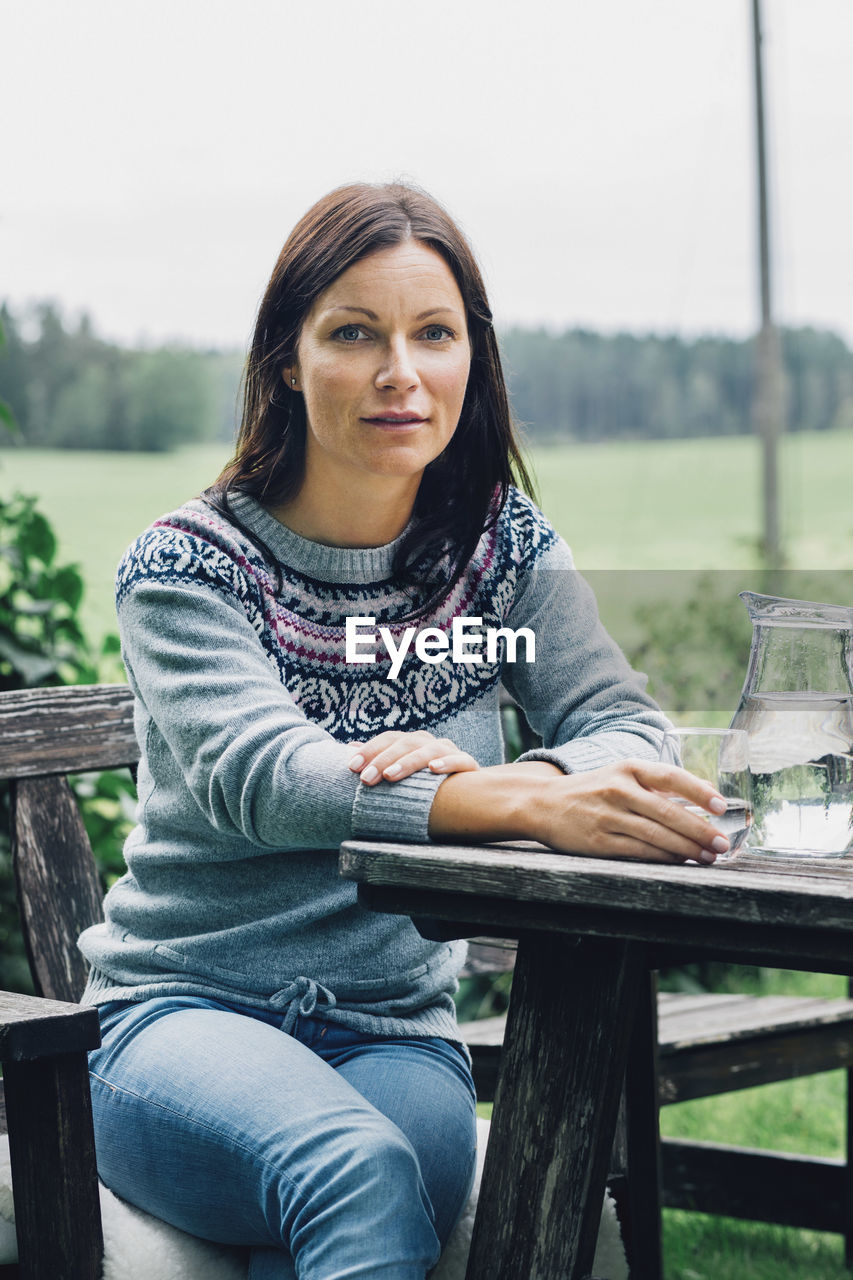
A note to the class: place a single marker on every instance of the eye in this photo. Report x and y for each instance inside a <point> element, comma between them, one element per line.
<point>437,333</point>
<point>349,333</point>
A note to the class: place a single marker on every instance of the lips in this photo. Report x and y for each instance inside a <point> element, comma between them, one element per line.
<point>395,419</point>
<point>400,424</point>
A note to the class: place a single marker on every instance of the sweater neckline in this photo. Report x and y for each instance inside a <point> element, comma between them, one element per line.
<point>315,559</point>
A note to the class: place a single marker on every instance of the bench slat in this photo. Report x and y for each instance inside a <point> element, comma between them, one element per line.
<point>767,1015</point>
<point>66,730</point>
<point>720,1018</point>
<point>59,892</point>
<point>763,1186</point>
<point>740,1042</point>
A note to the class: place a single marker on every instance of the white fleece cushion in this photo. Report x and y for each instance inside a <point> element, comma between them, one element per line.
<point>139,1247</point>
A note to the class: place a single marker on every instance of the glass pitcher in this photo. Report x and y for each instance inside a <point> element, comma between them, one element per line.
<point>797,707</point>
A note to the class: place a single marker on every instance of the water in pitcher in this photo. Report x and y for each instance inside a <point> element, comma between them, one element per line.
<point>801,761</point>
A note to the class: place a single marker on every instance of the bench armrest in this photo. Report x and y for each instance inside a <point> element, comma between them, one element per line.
<point>32,1027</point>
<point>43,1046</point>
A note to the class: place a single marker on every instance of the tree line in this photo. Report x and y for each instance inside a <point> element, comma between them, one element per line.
<point>590,386</point>
<point>69,388</point>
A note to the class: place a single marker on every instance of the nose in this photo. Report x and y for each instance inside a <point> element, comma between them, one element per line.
<point>398,370</point>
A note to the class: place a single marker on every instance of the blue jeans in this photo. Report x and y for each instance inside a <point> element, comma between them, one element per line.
<point>328,1152</point>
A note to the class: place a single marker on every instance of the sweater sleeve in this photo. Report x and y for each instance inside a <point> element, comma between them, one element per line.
<point>211,701</point>
<point>580,694</point>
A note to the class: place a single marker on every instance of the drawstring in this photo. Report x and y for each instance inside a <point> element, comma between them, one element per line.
<point>300,997</point>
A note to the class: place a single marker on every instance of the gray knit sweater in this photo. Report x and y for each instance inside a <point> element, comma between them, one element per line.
<point>245,706</point>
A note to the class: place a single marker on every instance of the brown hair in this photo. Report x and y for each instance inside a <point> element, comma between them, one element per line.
<point>463,490</point>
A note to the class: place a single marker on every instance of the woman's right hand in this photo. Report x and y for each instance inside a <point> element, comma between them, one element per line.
<point>627,810</point>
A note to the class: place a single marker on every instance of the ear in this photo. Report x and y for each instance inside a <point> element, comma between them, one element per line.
<point>290,374</point>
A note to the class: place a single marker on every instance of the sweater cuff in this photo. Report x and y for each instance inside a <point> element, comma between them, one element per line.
<point>582,754</point>
<point>396,810</point>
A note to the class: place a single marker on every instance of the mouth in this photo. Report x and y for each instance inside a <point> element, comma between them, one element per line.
<point>395,421</point>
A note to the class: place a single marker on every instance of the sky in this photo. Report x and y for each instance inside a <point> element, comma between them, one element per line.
<point>600,155</point>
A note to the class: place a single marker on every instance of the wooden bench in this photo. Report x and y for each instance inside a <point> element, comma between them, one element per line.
<point>702,1044</point>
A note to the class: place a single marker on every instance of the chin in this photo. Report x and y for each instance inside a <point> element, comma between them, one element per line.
<point>402,466</point>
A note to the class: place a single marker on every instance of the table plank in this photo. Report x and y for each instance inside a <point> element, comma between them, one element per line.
<point>675,939</point>
<point>820,898</point>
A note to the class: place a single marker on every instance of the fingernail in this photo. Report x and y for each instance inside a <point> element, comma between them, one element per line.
<point>356,762</point>
<point>720,844</point>
<point>438,763</point>
<point>717,804</point>
<point>707,855</point>
<point>393,770</point>
<point>370,773</point>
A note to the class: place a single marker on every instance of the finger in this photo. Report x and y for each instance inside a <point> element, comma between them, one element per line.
<point>631,844</point>
<point>368,751</point>
<point>441,752</point>
<point>638,850</point>
<point>404,764</point>
<point>453,762</point>
<point>681,802</point>
<point>627,804</point>
<point>405,755</point>
<point>620,846</point>
<point>671,779</point>
<point>672,816</point>
<point>702,842</point>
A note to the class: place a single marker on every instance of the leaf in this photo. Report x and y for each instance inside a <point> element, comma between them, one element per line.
<point>33,668</point>
<point>68,585</point>
<point>70,630</point>
<point>33,608</point>
<point>36,538</point>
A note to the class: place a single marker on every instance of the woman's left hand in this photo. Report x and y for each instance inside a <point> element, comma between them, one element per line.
<point>391,756</point>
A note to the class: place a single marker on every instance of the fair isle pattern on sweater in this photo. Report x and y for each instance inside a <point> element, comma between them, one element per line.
<point>302,628</point>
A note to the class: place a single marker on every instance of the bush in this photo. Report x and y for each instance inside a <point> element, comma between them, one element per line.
<point>41,640</point>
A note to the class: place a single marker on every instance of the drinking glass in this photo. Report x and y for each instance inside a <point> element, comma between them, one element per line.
<point>720,757</point>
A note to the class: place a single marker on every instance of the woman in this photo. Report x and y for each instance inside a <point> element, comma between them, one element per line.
<point>280,1069</point>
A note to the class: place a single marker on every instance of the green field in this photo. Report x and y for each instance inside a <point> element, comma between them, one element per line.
<point>684,504</point>
<point>696,504</point>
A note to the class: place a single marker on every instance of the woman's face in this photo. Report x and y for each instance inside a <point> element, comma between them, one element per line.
<point>382,362</point>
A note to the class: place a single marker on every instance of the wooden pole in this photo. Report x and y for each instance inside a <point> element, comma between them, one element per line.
<point>769,403</point>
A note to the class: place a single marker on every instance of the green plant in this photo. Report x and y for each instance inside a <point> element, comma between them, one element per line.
<point>41,640</point>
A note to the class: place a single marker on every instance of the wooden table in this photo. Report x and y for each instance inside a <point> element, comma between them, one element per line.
<point>589,931</point>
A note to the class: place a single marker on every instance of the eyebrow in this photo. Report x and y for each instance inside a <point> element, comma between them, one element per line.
<point>371,315</point>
